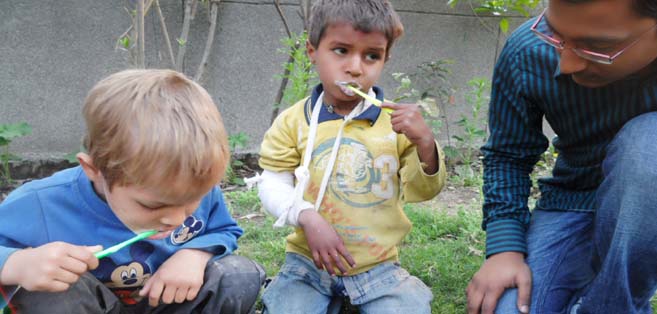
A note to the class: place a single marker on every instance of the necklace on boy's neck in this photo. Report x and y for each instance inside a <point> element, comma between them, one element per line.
<point>329,108</point>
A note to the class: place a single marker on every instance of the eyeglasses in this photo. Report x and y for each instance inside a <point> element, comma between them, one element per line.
<point>583,53</point>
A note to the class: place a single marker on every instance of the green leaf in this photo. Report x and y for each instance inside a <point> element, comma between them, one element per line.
<point>125,42</point>
<point>181,42</point>
<point>504,25</point>
<point>11,131</point>
<point>450,152</point>
<point>452,3</point>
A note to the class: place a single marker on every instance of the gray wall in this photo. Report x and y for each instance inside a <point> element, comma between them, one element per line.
<point>52,52</point>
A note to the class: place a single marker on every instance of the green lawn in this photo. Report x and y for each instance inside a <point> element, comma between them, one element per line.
<point>444,250</point>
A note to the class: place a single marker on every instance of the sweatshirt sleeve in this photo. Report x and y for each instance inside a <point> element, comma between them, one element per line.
<point>417,185</point>
<point>22,224</point>
<point>221,231</point>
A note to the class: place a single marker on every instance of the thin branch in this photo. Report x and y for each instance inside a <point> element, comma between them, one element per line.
<point>290,60</point>
<point>182,41</point>
<point>132,26</point>
<point>165,31</point>
<point>141,41</point>
<point>277,3</point>
<point>214,9</point>
<point>284,80</point>
<point>305,12</point>
<point>479,18</point>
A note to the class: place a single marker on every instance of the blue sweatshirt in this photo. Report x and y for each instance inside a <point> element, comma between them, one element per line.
<point>64,207</point>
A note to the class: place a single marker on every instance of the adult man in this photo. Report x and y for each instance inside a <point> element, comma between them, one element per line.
<point>588,67</point>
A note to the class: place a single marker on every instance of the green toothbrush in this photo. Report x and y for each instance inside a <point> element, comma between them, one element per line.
<point>368,97</point>
<point>114,248</point>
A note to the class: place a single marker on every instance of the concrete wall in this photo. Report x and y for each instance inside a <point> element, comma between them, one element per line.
<point>52,52</point>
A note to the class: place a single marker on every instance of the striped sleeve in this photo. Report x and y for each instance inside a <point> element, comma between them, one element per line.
<point>515,144</point>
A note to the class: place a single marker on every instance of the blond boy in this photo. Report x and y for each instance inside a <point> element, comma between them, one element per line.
<point>155,150</point>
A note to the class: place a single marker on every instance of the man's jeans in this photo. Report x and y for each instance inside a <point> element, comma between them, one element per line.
<point>606,260</point>
<point>300,288</point>
<point>231,286</point>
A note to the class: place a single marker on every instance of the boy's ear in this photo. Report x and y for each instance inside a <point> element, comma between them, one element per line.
<point>310,50</point>
<point>86,162</point>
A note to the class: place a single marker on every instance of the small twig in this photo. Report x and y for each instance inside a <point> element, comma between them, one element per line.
<point>277,4</point>
<point>165,31</point>
<point>132,26</point>
<point>305,12</point>
<point>182,41</point>
<point>214,9</point>
<point>141,41</point>
<point>284,81</point>
<point>479,18</point>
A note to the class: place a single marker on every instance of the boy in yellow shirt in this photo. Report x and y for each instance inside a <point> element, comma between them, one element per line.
<point>354,166</point>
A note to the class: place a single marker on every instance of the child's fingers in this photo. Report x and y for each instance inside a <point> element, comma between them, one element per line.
<point>317,260</point>
<point>391,105</point>
<point>328,263</point>
<point>169,294</point>
<point>66,276</point>
<point>338,262</point>
<point>155,293</point>
<point>74,266</point>
<point>84,254</point>
<point>181,295</point>
<point>192,293</point>
<point>347,256</point>
<point>146,288</point>
<point>55,286</point>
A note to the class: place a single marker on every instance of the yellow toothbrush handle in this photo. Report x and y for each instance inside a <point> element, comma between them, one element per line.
<point>369,98</point>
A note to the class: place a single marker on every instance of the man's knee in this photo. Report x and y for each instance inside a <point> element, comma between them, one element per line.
<point>635,145</point>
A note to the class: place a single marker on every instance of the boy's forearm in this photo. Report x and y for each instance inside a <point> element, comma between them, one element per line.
<point>428,155</point>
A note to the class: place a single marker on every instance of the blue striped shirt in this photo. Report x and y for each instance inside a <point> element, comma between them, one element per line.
<point>527,87</point>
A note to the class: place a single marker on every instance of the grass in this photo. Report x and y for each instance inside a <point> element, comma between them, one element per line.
<point>443,250</point>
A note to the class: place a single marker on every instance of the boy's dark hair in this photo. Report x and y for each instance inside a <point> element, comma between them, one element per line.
<point>364,15</point>
<point>646,8</point>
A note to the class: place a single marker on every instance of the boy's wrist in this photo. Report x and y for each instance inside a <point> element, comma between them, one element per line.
<point>307,216</point>
<point>10,274</point>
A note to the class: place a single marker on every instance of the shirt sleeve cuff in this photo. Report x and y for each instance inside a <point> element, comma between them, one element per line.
<point>506,235</point>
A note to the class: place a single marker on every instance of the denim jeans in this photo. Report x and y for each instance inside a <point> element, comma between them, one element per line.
<point>606,261</point>
<point>300,288</point>
<point>231,286</point>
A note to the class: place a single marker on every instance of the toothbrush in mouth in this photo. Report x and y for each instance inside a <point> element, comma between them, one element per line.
<point>352,88</point>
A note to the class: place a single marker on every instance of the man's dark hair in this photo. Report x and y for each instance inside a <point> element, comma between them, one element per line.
<point>647,8</point>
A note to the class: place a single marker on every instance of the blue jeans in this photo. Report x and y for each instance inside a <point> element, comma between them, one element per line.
<point>607,260</point>
<point>300,288</point>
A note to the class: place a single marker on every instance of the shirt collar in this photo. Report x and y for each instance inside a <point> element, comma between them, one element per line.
<point>371,114</point>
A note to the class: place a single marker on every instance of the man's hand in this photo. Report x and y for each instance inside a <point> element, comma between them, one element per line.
<point>52,267</point>
<point>325,244</point>
<point>498,273</point>
<point>179,279</point>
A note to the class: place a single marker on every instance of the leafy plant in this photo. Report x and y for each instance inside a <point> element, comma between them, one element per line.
<point>236,141</point>
<point>9,132</point>
<point>501,8</point>
<point>133,40</point>
<point>428,87</point>
<point>466,149</point>
<point>298,72</point>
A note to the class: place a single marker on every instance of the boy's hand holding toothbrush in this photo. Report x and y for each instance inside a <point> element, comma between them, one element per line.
<point>407,119</point>
<point>52,267</point>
